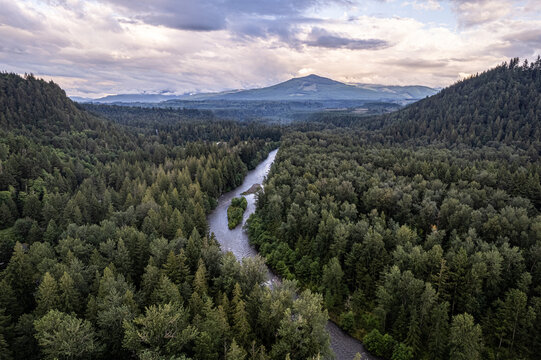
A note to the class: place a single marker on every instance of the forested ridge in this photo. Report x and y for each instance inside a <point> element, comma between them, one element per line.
<point>501,106</point>
<point>421,228</point>
<point>105,251</point>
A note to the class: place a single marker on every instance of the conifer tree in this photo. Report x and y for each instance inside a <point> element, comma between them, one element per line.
<point>47,296</point>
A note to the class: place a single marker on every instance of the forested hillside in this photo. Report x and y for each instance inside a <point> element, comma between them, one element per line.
<point>423,248</point>
<point>502,105</point>
<point>105,251</point>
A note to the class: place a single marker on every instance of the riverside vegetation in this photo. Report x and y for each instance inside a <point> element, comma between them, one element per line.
<point>421,228</point>
<point>105,247</point>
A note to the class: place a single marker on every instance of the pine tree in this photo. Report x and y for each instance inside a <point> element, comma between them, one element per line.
<point>175,268</point>
<point>8,300</point>
<point>402,352</point>
<point>19,275</point>
<point>465,338</point>
<point>235,352</point>
<point>413,340</point>
<point>164,329</point>
<point>200,280</point>
<point>64,336</point>
<point>150,280</point>
<point>6,219</point>
<point>69,299</point>
<point>439,331</point>
<point>5,328</point>
<point>193,250</point>
<point>241,328</point>
<point>47,296</point>
<point>51,233</point>
<point>166,292</point>
<point>122,259</point>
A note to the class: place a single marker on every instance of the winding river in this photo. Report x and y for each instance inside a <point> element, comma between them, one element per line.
<point>236,241</point>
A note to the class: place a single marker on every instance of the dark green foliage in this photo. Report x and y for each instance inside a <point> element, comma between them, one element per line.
<point>381,345</point>
<point>104,242</point>
<point>5,351</point>
<point>62,336</point>
<point>427,248</point>
<point>413,237</point>
<point>235,212</point>
<point>502,105</point>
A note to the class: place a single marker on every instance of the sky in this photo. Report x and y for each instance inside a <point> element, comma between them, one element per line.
<point>93,48</point>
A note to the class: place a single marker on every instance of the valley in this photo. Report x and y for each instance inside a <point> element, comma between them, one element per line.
<point>403,234</point>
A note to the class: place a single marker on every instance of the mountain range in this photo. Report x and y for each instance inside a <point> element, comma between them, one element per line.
<point>308,88</point>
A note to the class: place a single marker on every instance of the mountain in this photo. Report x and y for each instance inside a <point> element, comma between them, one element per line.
<point>81,99</point>
<point>129,98</point>
<point>308,88</point>
<point>314,87</point>
<point>406,92</point>
<point>500,105</point>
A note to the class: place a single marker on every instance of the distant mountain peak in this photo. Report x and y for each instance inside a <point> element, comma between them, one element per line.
<point>311,87</point>
<point>313,78</point>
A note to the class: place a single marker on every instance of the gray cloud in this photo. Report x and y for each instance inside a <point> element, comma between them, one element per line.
<point>208,15</point>
<point>322,38</point>
<point>12,15</point>
<point>418,63</point>
<point>135,46</point>
<point>522,42</point>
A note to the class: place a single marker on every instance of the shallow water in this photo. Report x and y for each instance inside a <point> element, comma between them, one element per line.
<point>344,346</point>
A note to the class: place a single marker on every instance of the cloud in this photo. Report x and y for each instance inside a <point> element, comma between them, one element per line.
<point>475,12</point>
<point>322,38</point>
<point>13,15</point>
<point>469,12</point>
<point>423,64</point>
<point>189,46</point>
<point>527,41</point>
<point>209,15</point>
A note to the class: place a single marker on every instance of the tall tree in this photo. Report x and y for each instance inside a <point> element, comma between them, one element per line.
<point>62,336</point>
<point>47,296</point>
<point>465,338</point>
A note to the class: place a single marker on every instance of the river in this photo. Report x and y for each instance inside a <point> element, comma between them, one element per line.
<point>344,346</point>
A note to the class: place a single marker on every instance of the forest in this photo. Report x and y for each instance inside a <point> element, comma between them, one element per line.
<point>276,112</point>
<point>105,250</point>
<point>417,231</point>
<point>421,228</point>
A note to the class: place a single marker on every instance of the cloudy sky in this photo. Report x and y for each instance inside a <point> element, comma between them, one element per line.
<point>98,47</point>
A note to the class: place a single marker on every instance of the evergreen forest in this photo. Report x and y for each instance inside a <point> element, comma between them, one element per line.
<point>420,228</point>
<point>417,231</point>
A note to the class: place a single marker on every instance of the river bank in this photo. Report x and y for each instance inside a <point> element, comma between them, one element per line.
<point>344,346</point>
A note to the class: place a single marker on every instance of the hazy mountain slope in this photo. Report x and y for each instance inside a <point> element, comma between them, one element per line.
<point>406,92</point>
<point>311,87</point>
<point>130,98</point>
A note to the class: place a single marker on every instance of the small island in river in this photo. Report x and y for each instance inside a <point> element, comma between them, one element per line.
<point>235,212</point>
